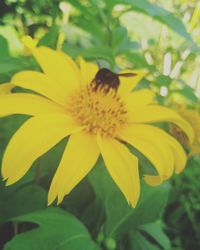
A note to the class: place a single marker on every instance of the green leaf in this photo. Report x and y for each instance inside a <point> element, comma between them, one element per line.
<point>121,217</point>
<point>4,50</point>
<point>99,52</point>
<point>102,182</point>
<point>91,25</point>
<point>94,53</point>
<point>72,50</point>
<point>138,60</point>
<point>163,80</point>
<point>12,37</point>
<point>56,229</point>
<point>156,232</point>
<point>11,65</point>
<point>8,125</point>
<point>160,14</point>
<point>119,35</point>
<point>139,242</point>
<point>187,92</point>
<point>18,200</point>
<point>50,39</point>
<point>87,11</point>
<point>94,216</point>
<point>8,65</point>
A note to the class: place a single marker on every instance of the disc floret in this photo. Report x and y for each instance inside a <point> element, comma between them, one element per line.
<point>100,111</point>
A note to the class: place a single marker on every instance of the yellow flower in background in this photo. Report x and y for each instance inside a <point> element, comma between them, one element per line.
<point>193,117</point>
<point>100,114</point>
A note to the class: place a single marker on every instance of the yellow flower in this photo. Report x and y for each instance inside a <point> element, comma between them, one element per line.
<point>191,116</point>
<point>99,120</point>
<point>5,88</point>
<point>29,44</point>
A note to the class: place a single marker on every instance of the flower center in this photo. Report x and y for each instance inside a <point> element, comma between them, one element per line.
<point>100,111</point>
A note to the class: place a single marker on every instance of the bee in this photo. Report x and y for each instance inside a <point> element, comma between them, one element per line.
<point>105,77</point>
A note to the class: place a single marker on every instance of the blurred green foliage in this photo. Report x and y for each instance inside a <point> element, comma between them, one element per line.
<point>160,36</point>
<point>183,211</point>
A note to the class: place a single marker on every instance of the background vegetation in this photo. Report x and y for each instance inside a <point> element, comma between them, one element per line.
<point>160,36</point>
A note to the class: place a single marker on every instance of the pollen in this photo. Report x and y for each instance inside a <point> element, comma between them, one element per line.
<point>99,111</point>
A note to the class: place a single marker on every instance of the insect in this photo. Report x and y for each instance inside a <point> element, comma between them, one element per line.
<point>105,77</point>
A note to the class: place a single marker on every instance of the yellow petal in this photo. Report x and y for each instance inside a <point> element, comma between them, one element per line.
<point>88,70</point>
<point>59,67</point>
<point>6,88</point>
<point>27,104</point>
<point>155,113</point>
<point>127,84</point>
<point>78,159</point>
<point>122,166</point>
<point>178,151</point>
<point>140,98</point>
<point>159,147</point>
<point>153,180</point>
<point>146,147</point>
<point>179,157</point>
<point>41,84</point>
<point>33,139</point>
<point>29,42</point>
